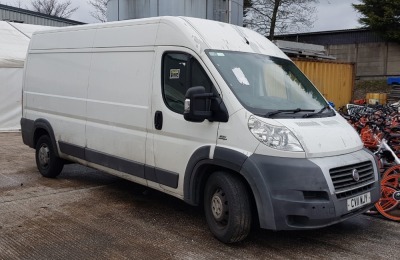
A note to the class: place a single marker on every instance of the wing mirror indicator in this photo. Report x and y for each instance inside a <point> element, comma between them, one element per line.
<point>186,106</point>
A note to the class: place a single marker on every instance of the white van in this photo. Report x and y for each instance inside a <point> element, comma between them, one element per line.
<point>208,112</point>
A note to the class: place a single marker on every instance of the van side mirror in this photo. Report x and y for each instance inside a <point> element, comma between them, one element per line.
<point>197,104</point>
<point>200,105</point>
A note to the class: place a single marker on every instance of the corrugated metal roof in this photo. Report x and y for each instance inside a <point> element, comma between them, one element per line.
<point>10,13</point>
<point>349,36</point>
<point>229,11</point>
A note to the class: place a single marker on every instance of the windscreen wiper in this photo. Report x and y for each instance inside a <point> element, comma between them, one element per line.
<point>293,111</point>
<point>317,113</point>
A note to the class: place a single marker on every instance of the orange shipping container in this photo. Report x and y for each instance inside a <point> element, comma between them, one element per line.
<point>335,80</point>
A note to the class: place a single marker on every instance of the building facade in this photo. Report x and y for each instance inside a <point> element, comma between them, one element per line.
<point>19,15</point>
<point>229,11</point>
<point>374,57</point>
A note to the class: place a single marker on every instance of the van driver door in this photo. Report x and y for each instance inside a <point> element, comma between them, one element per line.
<point>174,138</point>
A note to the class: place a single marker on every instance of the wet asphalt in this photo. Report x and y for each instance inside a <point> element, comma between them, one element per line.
<point>87,214</point>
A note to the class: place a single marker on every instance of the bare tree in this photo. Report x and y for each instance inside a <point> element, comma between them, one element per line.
<point>18,3</point>
<point>100,9</point>
<point>54,7</point>
<point>269,16</point>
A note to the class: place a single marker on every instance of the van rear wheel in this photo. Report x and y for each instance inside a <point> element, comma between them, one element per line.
<point>227,207</point>
<point>48,164</point>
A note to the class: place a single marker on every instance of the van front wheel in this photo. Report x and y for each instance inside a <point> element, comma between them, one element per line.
<point>227,207</point>
<point>48,164</point>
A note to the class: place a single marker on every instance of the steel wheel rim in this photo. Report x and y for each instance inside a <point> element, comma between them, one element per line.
<point>44,155</point>
<point>219,207</point>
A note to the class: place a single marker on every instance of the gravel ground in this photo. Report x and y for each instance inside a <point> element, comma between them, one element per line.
<point>87,214</point>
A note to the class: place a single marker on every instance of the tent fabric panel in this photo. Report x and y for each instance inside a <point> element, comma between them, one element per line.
<point>13,46</point>
<point>10,99</point>
<point>14,42</point>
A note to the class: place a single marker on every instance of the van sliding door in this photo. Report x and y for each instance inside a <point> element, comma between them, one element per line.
<point>117,110</point>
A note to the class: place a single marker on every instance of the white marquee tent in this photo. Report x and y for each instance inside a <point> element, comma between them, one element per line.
<point>14,41</point>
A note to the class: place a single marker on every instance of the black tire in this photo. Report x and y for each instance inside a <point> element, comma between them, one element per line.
<point>48,164</point>
<point>227,207</point>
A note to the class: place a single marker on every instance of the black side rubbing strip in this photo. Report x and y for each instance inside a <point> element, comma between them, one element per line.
<point>150,173</point>
<point>73,150</point>
<point>119,164</point>
<point>167,178</point>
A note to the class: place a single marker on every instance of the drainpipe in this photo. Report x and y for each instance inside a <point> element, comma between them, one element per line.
<point>229,11</point>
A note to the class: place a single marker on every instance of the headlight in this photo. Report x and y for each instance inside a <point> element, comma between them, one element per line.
<point>277,137</point>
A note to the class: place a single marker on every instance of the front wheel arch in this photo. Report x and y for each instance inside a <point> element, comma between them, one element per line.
<point>200,166</point>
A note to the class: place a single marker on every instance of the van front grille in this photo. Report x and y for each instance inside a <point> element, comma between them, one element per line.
<point>344,183</point>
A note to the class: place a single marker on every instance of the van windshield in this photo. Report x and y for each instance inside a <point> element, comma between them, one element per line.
<point>269,86</point>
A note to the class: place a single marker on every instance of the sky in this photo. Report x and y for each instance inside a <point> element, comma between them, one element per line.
<point>331,14</point>
<point>336,15</point>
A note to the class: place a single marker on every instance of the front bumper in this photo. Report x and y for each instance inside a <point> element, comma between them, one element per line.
<point>300,193</point>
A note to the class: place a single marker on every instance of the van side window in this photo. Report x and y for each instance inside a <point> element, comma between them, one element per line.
<point>180,72</point>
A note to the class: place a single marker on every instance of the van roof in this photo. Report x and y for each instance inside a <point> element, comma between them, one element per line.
<point>194,33</point>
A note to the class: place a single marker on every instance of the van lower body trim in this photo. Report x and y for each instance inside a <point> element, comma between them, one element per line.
<point>161,176</point>
<point>119,164</point>
<point>73,150</point>
<point>140,170</point>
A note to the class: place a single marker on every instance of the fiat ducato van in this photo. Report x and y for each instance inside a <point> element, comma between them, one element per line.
<point>211,113</point>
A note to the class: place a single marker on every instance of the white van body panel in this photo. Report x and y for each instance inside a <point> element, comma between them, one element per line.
<point>200,34</point>
<point>118,102</point>
<point>236,135</point>
<point>143,33</point>
<point>223,36</point>
<point>64,102</point>
<point>322,137</point>
<point>61,39</point>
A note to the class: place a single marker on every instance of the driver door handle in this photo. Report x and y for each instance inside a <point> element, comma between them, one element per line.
<point>158,120</point>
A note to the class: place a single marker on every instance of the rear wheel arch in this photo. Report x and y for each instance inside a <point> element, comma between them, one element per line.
<point>43,127</point>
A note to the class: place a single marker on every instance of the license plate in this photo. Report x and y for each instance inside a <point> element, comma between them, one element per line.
<point>359,201</point>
